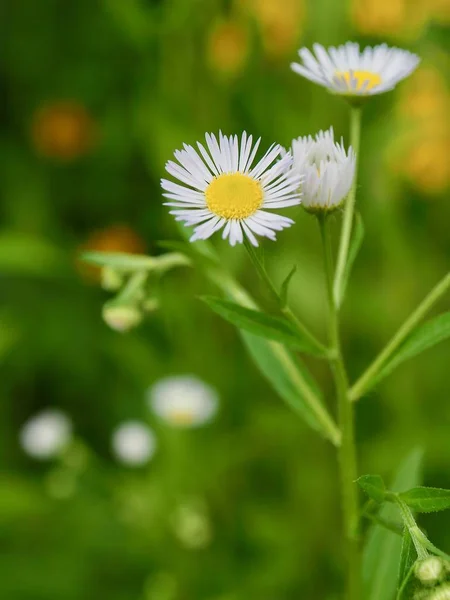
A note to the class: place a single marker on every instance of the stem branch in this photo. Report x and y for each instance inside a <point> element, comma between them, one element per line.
<point>344,244</point>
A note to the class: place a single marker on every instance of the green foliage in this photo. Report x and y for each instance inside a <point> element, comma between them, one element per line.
<point>262,325</point>
<point>408,557</point>
<point>426,499</point>
<point>355,246</point>
<point>424,337</point>
<point>285,287</point>
<point>374,487</point>
<point>383,548</point>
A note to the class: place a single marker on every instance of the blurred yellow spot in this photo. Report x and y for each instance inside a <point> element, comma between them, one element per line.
<point>116,238</point>
<point>182,417</point>
<point>363,79</point>
<point>424,96</point>
<point>227,47</point>
<point>63,130</point>
<point>427,164</point>
<point>234,196</point>
<point>280,23</point>
<point>390,17</point>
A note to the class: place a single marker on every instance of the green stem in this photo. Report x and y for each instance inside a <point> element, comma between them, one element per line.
<point>285,310</point>
<point>344,244</point>
<point>347,450</point>
<point>410,523</point>
<point>364,382</point>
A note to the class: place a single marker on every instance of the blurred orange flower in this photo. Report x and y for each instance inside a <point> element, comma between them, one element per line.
<point>424,96</point>
<point>427,164</point>
<point>228,47</point>
<point>116,238</point>
<point>63,130</point>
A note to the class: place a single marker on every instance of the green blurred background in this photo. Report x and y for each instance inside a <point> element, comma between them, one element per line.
<point>95,96</point>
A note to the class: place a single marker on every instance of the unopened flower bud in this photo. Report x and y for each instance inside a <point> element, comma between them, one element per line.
<point>121,317</point>
<point>430,570</point>
<point>440,593</point>
<point>111,279</point>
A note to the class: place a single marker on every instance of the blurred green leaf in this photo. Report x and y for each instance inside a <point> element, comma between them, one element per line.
<point>425,336</point>
<point>119,260</point>
<point>374,487</point>
<point>426,499</point>
<point>408,557</point>
<point>261,324</point>
<point>285,287</point>
<point>382,550</point>
<point>26,254</point>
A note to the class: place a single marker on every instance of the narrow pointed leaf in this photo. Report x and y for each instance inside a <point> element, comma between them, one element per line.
<point>119,260</point>
<point>285,287</point>
<point>382,550</point>
<point>408,557</point>
<point>425,336</point>
<point>261,324</point>
<point>355,245</point>
<point>426,499</point>
<point>374,487</point>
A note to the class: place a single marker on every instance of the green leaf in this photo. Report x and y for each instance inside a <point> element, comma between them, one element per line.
<point>285,287</point>
<point>374,487</point>
<point>383,548</point>
<point>408,557</point>
<point>261,324</point>
<point>425,336</point>
<point>120,260</point>
<point>426,499</point>
<point>355,245</point>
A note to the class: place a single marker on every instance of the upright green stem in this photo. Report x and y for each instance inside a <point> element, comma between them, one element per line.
<point>344,244</point>
<point>365,381</point>
<point>347,450</point>
<point>287,312</point>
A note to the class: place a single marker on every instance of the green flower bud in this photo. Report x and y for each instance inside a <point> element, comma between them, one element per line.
<point>121,317</point>
<point>111,279</point>
<point>430,570</point>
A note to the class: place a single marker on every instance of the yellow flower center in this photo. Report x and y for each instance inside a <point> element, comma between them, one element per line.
<point>181,417</point>
<point>234,196</point>
<point>361,77</point>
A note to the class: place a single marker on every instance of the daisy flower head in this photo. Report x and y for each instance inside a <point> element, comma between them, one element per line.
<point>133,443</point>
<point>348,71</point>
<point>327,168</point>
<point>220,189</point>
<point>183,401</point>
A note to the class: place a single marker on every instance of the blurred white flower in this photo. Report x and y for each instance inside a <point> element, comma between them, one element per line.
<point>46,434</point>
<point>347,71</point>
<point>183,401</point>
<point>133,443</point>
<point>327,168</point>
<point>221,190</point>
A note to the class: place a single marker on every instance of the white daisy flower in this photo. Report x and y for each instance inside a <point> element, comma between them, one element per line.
<point>328,170</point>
<point>221,189</point>
<point>183,401</point>
<point>347,71</point>
<point>133,443</point>
<point>46,434</point>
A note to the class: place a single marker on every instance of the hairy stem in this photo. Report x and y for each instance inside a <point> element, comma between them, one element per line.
<point>347,450</point>
<point>346,233</point>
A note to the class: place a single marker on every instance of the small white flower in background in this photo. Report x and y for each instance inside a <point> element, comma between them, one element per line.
<point>121,318</point>
<point>221,189</point>
<point>133,443</point>
<point>327,168</point>
<point>430,570</point>
<point>46,434</point>
<point>183,401</point>
<point>440,593</point>
<point>347,71</point>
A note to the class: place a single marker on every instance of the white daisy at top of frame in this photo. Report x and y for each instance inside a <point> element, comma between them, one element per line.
<point>46,434</point>
<point>183,401</point>
<point>348,71</point>
<point>219,188</point>
<point>328,170</point>
<point>133,443</point>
